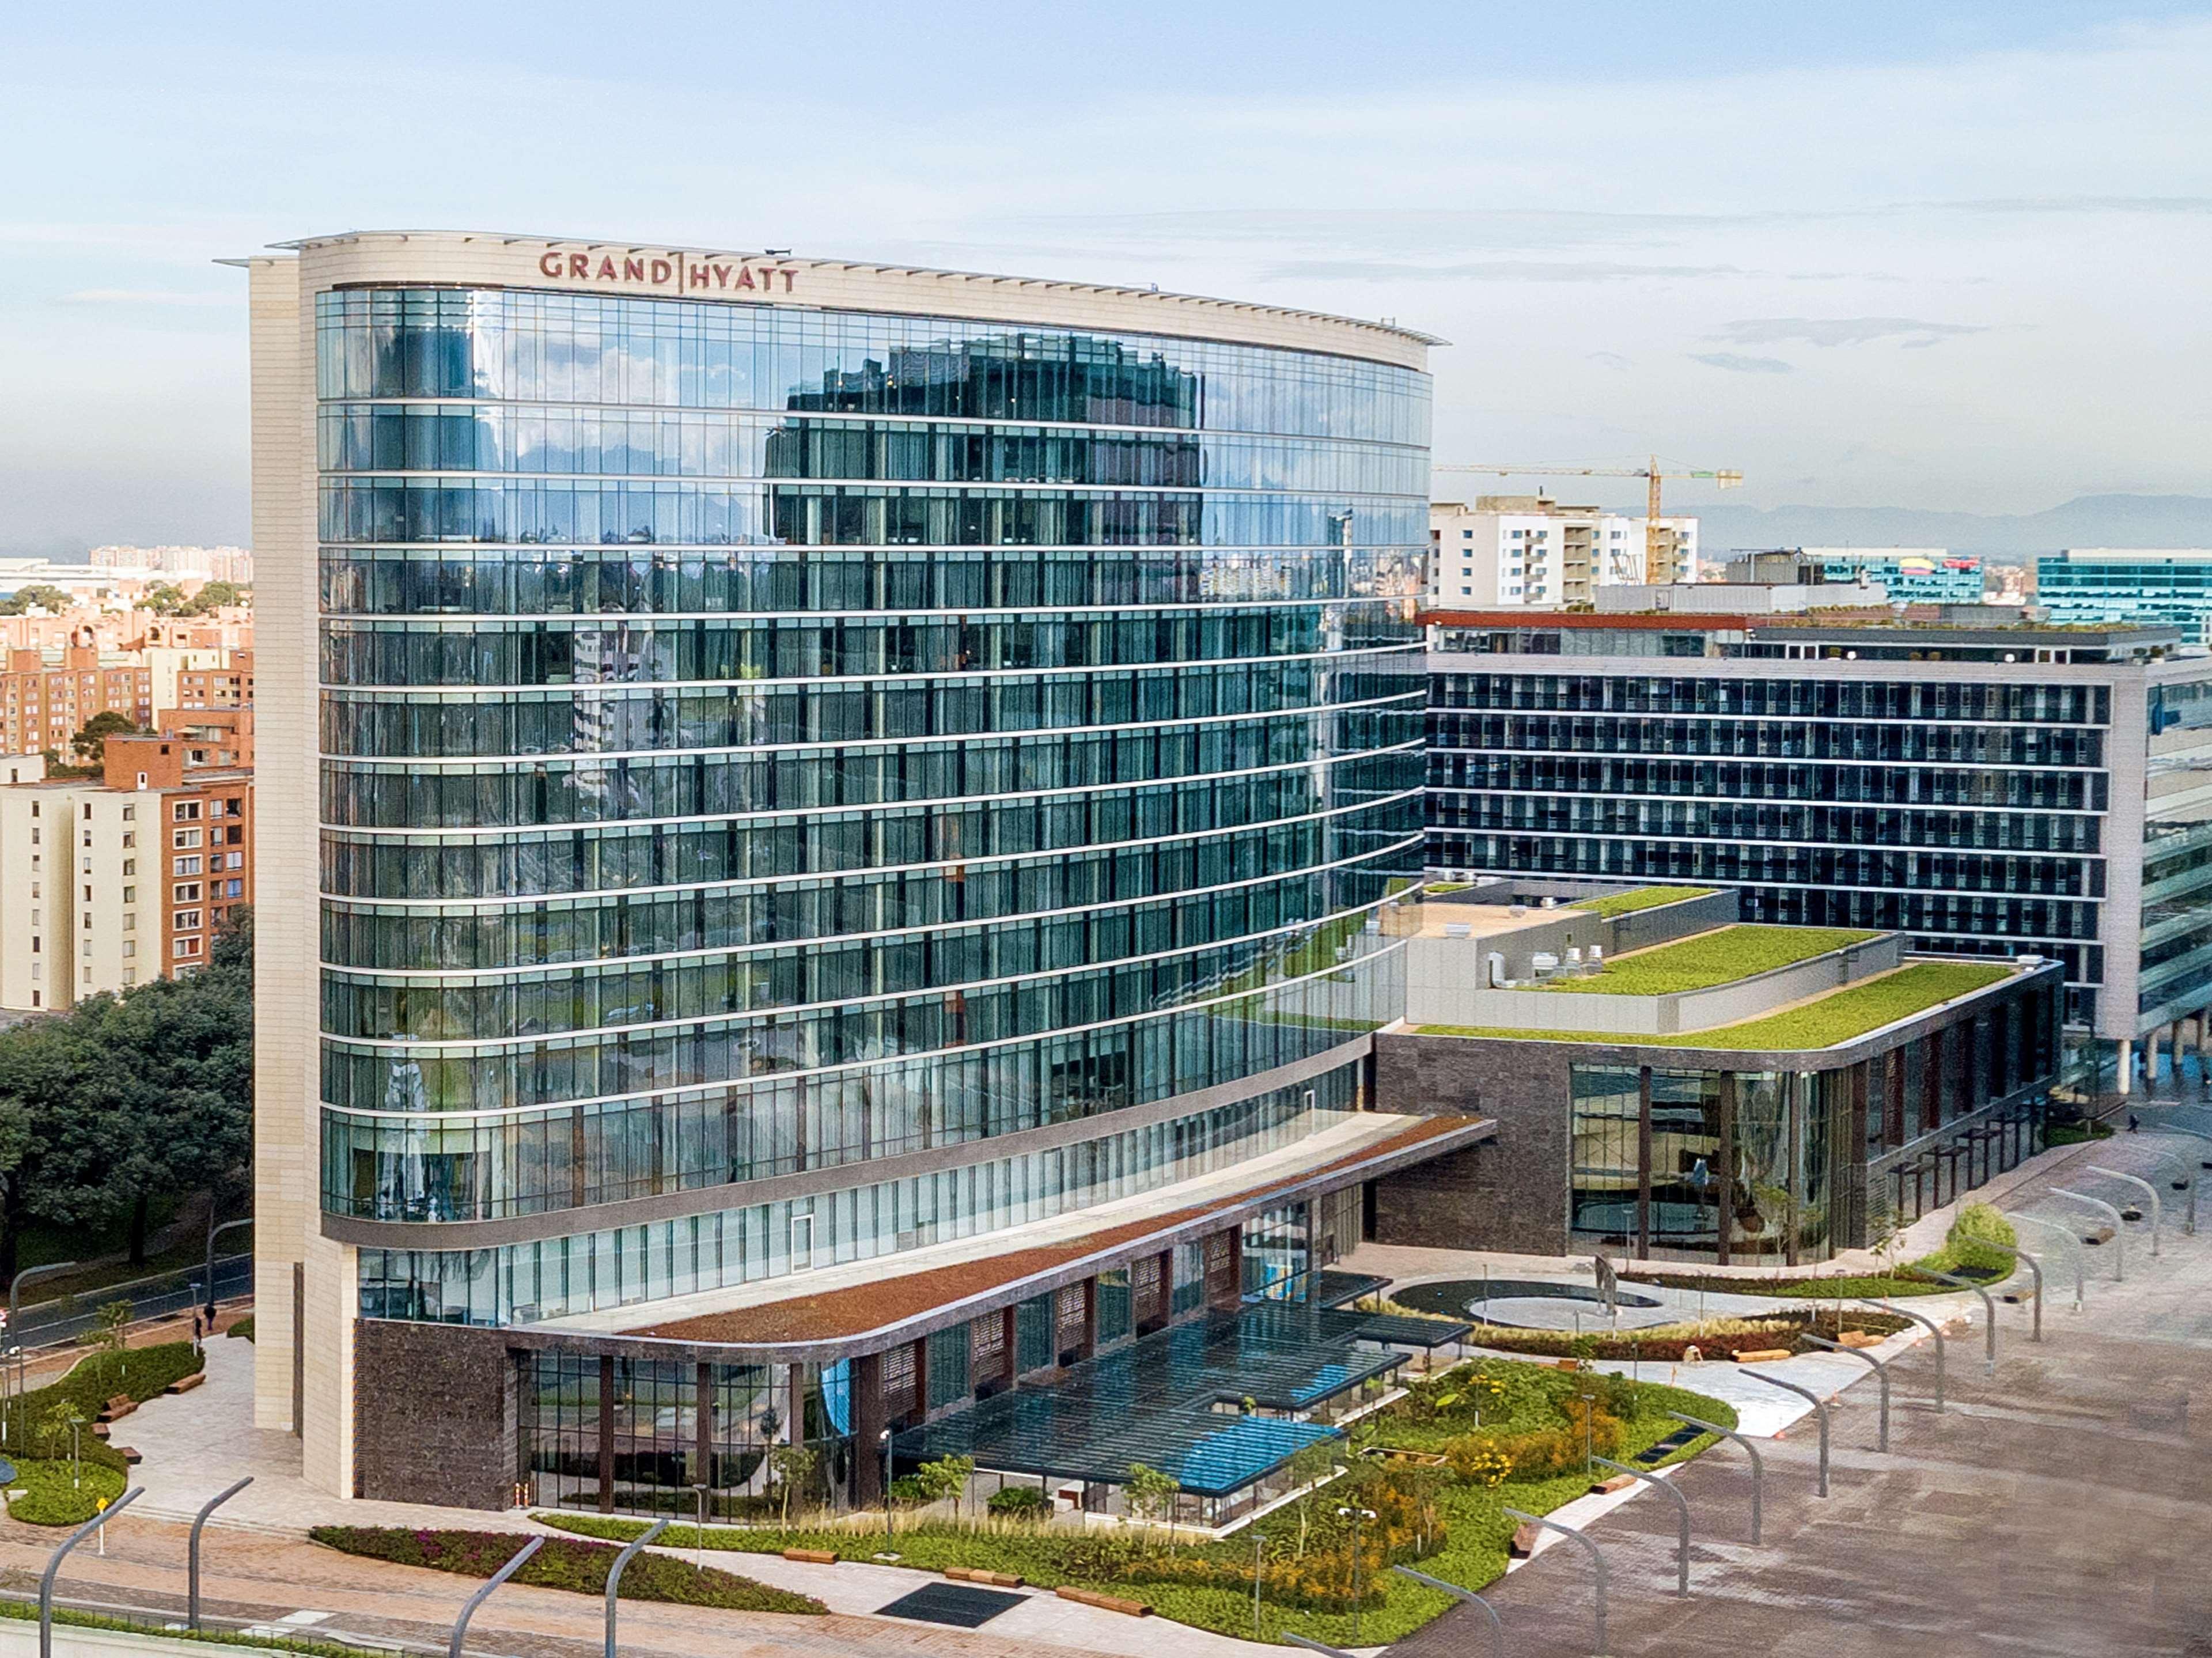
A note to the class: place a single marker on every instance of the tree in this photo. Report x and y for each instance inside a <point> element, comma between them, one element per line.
<point>1152,1494</point>
<point>213,594</point>
<point>90,742</point>
<point>129,1099</point>
<point>166,598</point>
<point>42,595</point>
<point>792,1466</point>
<point>112,1329</point>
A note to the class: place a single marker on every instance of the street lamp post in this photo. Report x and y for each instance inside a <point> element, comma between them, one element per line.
<point>1355,1515</point>
<point>29,1274</point>
<point>885,1436</point>
<point>2035,1266</point>
<point>1927,1324</point>
<point>215,1232</point>
<point>192,1568</point>
<point>2119,1228</point>
<point>1881,1373</point>
<point>1466,1597</point>
<point>2157,1209</point>
<point>614,1572</point>
<point>1758,1471</point>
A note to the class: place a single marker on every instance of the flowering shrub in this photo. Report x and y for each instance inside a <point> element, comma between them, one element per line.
<point>562,1564</point>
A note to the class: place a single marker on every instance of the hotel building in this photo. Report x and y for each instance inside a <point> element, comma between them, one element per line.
<point>844,823</point>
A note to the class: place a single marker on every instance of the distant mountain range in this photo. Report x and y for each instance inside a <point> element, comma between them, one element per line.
<point>2085,521</point>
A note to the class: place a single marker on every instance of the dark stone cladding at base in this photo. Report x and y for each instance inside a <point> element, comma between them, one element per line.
<point>434,1414</point>
<point>1507,1193</point>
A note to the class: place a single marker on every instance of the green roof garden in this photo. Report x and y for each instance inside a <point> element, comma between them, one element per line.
<point>1841,1016</point>
<point>1705,959</point>
<point>1626,904</point>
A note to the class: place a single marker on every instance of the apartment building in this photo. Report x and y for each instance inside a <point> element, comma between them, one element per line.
<point>47,695</point>
<point>212,713</point>
<point>1533,550</point>
<point>107,882</point>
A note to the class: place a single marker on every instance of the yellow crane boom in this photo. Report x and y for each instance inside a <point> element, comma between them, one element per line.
<point>1656,565</point>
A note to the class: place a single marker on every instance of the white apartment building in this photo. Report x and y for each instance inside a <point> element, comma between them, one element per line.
<point>1530,550</point>
<point>111,880</point>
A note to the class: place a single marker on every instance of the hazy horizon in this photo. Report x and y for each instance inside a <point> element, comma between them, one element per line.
<point>1936,259</point>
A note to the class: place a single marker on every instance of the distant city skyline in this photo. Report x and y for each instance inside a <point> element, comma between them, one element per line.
<point>1922,259</point>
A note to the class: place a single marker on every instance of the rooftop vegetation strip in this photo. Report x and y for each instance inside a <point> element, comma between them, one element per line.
<point>1705,959</point>
<point>1842,1016</point>
<point>1625,903</point>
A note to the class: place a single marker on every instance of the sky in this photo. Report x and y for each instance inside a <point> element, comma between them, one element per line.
<point>1947,256</point>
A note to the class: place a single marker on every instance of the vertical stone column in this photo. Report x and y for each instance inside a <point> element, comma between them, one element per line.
<point>702,1424</point>
<point>2127,1065</point>
<point>868,1419</point>
<point>1723,1176</point>
<point>606,1433</point>
<point>1644,1163</point>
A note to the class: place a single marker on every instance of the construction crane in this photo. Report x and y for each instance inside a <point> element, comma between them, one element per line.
<point>1656,562</point>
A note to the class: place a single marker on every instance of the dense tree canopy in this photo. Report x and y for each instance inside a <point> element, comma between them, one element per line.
<point>125,1100</point>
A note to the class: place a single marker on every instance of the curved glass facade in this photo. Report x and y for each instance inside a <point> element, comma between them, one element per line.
<point>758,740</point>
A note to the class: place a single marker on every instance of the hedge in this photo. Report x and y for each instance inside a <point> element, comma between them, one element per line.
<point>563,1563</point>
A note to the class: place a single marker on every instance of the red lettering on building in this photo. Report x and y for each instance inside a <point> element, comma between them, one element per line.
<point>674,269</point>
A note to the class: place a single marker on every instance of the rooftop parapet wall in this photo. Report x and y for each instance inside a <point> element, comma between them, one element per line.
<point>1444,986</point>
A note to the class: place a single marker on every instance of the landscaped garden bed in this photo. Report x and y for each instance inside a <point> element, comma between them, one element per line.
<point>563,1563</point>
<point>1962,1255</point>
<point>1711,1338</point>
<point>64,1482</point>
<point>1488,1434</point>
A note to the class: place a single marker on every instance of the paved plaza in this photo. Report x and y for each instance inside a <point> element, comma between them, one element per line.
<point>2055,1507</point>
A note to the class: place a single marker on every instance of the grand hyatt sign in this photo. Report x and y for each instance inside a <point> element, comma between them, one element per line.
<point>671,273</point>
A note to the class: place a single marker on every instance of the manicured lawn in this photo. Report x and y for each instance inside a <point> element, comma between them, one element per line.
<point>1837,1018</point>
<point>1209,1584</point>
<point>1626,904</point>
<point>1719,957</point>
<point>51,1496</point>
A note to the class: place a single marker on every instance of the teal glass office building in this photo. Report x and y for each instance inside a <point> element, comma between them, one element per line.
<point>2089,586</point>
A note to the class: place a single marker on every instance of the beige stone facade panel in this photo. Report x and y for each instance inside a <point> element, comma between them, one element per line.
<point>444,257</point>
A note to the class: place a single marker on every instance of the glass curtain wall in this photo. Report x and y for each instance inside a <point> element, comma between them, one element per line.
<point>758,739</point>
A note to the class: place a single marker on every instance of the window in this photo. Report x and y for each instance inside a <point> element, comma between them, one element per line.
<point>185,920</point>
<point>188,866</point>
<point>130,816</point>
<point>186,892</point>
<point>187,838</point>
<point>187,812</point>
<point>187,946</point>
<point>130,948</point>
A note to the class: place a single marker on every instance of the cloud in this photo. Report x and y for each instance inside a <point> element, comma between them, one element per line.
<point>1493,270</point>
<point>147,296</point>
<point>1611,360</point>
<point>1840,330</point>
<point>1742,365</point>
